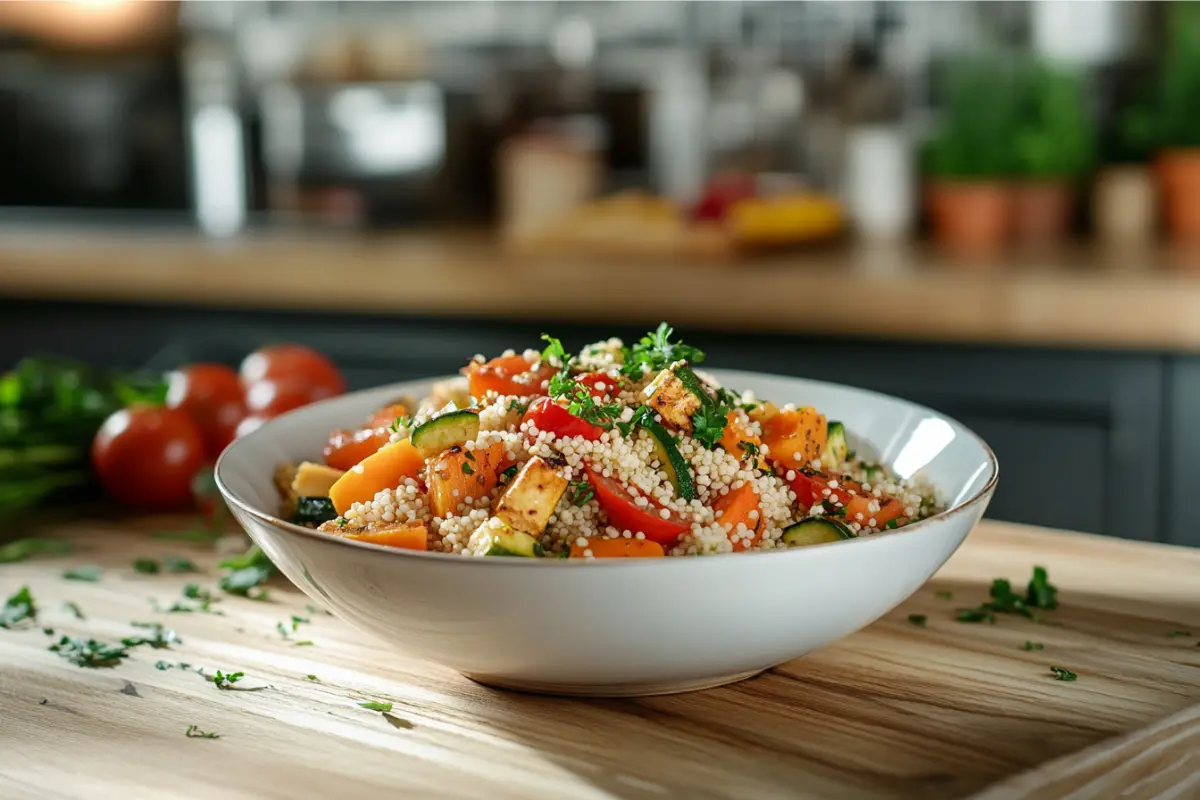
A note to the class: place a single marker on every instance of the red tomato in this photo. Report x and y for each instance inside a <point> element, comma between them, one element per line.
<point>272,398</point>
<point>293,363</point>
<point>624,514</point>
<point>211,395</point>
<point>347,448</point>
<point>147,457</point>
<point>810,489</point>
<point>594,380</point>
<point>250,424</point>
<point>508,375</point>
<point>550,416</point>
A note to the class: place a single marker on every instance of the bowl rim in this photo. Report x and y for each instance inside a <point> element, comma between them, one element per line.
<point>920,526</point>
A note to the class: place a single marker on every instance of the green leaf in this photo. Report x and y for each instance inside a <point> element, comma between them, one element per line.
<point>193,732</point>
<point>312,678</point>
<point>19,609</point>
<point>84,572</point>
<point>375,705</point>
<point>1041,593</point>
<point>1062,674</point>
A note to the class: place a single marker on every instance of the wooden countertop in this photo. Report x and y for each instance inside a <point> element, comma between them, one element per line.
<point>895,710</point>
<point>1090,297</point>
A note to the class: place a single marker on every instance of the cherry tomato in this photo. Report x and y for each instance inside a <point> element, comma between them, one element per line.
<point>211,395</point>
<point>347,448</point>
<point>272,398</point>
<point>508,375</point>
<point>625,515</point>
<point>250,424</point>
<point>549,416</point>
<point>293,363</point>
<point>147,457</point>
<point>594,380</point>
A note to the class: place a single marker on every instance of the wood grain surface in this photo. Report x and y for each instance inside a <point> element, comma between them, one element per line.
<point>1105,298</point>
<point>896,710</point>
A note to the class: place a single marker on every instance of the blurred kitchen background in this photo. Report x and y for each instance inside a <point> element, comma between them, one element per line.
<point>987,207</point>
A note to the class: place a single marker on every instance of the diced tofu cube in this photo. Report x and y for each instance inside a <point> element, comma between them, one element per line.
<point>314,480</point>
<point>531,498</point>
<point>671,399</point>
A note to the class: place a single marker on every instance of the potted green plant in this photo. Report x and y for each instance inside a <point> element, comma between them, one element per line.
<point>968,162</point>
<point>1053,146</point>
<point>1124,198</point>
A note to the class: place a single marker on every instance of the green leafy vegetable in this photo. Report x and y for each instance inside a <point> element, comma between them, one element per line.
<point>1062,674</point>
<point>193,732</point>
<point>24,549</point>
<point>467,469</point>
<point>18,610</point>
<point>147,566</point>
<point>709,424</point>
<point>375,705</point>
<point>84,572</point>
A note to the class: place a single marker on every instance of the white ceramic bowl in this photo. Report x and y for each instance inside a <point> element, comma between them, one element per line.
<point>622,626</point>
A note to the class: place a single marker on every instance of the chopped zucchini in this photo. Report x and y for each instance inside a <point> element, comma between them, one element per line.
<point>531,498</point>
<point>507,542</point>
<point>679,472</point>
<point>835,445</point>
<point>314,480</point>
<point>313,511</point>
<point>676,394</point>
<point>441,433</point>
<point>816,530</point>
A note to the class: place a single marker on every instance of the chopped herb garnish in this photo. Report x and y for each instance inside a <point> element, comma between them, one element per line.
<point>750,447</point>
<point>467,469</point>
<point>976,615</point>
<point>944,595</point>
<point>84,572</point>
<point>162,666</point>
<point>554,354</point>
<point>708,424</point>
<point>1041,593</point>
<point>508,474</point>
<point>247,571</point>
<point>24,549</point>
<point>469,455</point>
<point>89,652</point>
<point>401,422</point>
<point>1030,646</point>
<point>283,631</point>
<point>74,609</point>
<point>302,643</point>
<point>655,351</point>
<point>517,405</point>
<point>224,680</point>
<point>193,732</point>
<point>580,492</point>
<point>1062,674</point>
<point>891,525</point>
<point>918,619</point>
<point>145,565</point>
<point>375,705</point>
<point>178,564</point>
<point>310,608</point>
<point>312,678</point>
<point>19,609</point>
<point>341,522</point>
<point>1175,634</point>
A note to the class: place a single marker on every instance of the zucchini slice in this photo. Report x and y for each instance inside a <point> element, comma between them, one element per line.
<point>835,445</point>
<point>507,542</point>
<point>816,530</point>
<point>679,472</point>
<point>313,511</point>
<point>441,433</point>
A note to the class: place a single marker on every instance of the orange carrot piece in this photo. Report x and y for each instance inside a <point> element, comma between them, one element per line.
<point>889,509</point>
<point>795,439</point>
<point>382,470</point>
<point>737,508</point>
<point>409,537</point>
<point>603,547</point>
<point>386,416</point>
<point>454,478</point>
<point>736,432</point>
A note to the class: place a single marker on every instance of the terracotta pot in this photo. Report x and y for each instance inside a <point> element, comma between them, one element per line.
<point>1042,211</point>
<point>1179,184</point>
<point>970,218</point>
<point>1124,205</point>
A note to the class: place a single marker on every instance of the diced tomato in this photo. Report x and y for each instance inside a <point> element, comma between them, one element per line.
<point>810,489</point>
<point>626,515</point>
<point>595,380</point>
<point>347,448</point>
<point>548,416</point>
<point>795,438</point>
<point>508,375</point>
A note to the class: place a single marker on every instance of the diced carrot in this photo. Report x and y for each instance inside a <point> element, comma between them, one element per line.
<point>459,476</point>
<point>738,432</point>
<point>889,508</point>
<point>795,439</point>
<point>347,448</point>
<point>408,537</point>
<point>508,375</point>
<point>738,507</point>
<point>603,547</point>
<point>384,469</point>
<point>386,417</point>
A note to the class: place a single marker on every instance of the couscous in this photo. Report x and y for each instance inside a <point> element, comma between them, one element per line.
<point>617,451</point>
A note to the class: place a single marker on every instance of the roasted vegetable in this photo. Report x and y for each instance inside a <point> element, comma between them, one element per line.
<point>382,470</point>
<point>462,476</point>
<point>676,395</point>
<point>794,437</point>
<point>313,511</point>
<point>603,547</point>
<point>314,480</point>
<point>531,498</point>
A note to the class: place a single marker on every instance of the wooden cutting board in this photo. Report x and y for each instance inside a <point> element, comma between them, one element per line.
<point>897,710</point>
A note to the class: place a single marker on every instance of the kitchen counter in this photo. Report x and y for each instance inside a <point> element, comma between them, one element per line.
<point>1084,297</point>
<point>896,710</point>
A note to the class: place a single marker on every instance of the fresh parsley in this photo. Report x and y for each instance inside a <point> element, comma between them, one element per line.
<point>147,566</point>
<point>89,652</point>
<point>517,405</point>
<point>655,351</point>
<point>74,609</point>
<point>554,353</point>
<point>25,549</point>
<point>375,705</point>
<point>891,524</point>
<point>580,492</point>
<point>18,610</point>
<point>708,424</point>
<point>247,572</point>
<point>84,572</point>
<point>223,680</point>
<point>976,615</point>
<point>303,643</point>
<point>194,732</point>
<point>401,422</point>
<point>508,474</point>
<point>1040,592</point>
<point>178,564</point>
<point>750,447</point>
<point>1031,646</point>
<point>1062,674</point>
<point>918,619</point>
<point>467,469</point>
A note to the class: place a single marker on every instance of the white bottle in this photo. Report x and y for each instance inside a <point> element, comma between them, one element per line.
<point>879,184</point>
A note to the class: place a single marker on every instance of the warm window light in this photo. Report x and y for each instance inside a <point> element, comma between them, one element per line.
<point>88,23</point>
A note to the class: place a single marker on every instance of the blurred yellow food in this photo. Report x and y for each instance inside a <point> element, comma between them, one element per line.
<point>784,219</point>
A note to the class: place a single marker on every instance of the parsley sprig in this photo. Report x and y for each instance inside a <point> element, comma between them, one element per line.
<point>18,610</point>
<point>655,351</point>
<point>563,386</point>
<point>194,732</point>
<point>1039,594</point>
